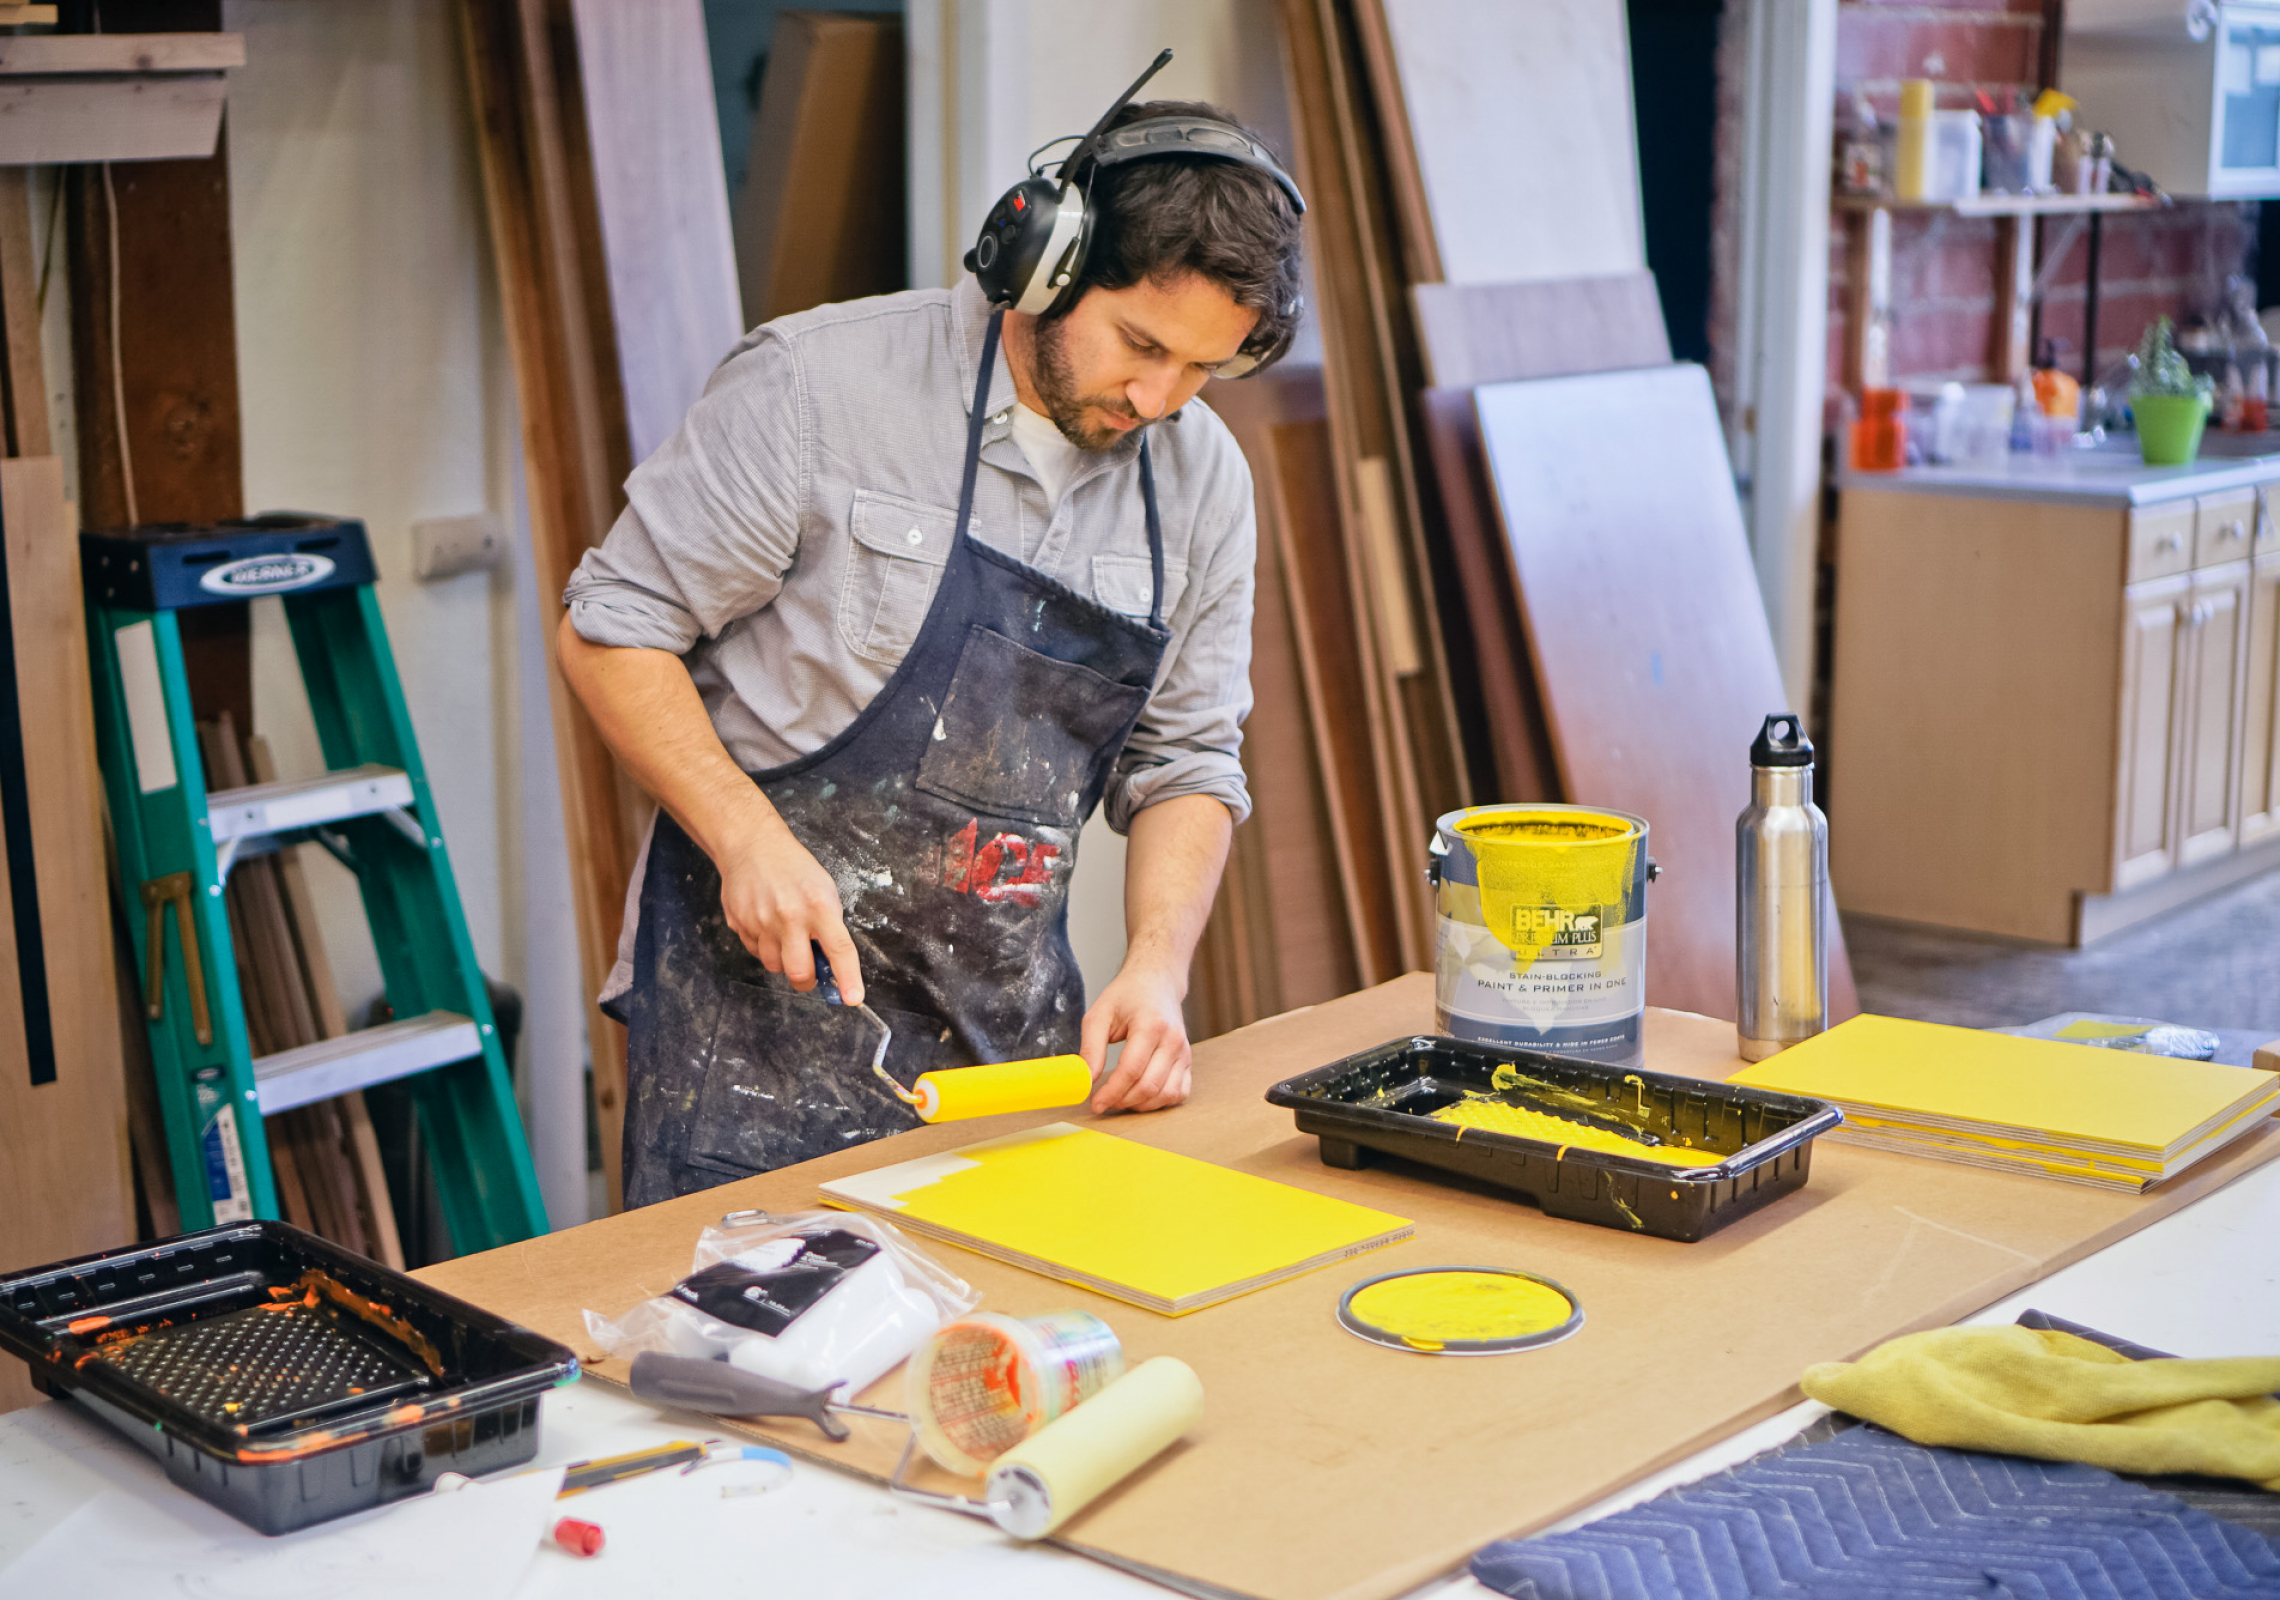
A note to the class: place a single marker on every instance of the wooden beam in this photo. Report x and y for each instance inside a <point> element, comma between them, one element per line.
<point>545,244</point>
<point>65,1183</point>
<point>130,117</point>
<point>23,376</point>
<point>119,52</point>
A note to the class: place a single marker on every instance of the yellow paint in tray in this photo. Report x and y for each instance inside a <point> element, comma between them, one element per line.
<point>1494,1115</point>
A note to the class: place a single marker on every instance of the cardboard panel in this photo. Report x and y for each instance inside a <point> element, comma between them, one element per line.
<point>1325,1466</point>
<point>1648,637</point>
<point>821,215</point>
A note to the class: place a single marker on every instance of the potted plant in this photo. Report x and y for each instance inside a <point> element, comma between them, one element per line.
<point>2170,402</point>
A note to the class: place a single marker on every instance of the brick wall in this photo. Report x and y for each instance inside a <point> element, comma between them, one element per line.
<point>1943,266</point>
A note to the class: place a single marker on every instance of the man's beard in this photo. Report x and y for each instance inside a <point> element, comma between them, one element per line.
<point>1056,382</point>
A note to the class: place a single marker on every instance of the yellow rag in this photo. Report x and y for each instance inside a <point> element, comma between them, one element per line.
<point>2032,1392</point>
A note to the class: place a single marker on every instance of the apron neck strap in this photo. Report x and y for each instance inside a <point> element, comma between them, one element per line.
<point>1155,537</point>
<point>976,417</point>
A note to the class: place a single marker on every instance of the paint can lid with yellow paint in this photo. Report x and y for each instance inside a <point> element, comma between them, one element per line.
<point>1460,1311</point>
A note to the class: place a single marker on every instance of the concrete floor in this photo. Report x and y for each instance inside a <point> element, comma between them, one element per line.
<point>2213,964</point>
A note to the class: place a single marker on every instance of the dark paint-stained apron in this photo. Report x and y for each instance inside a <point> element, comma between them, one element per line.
<point>948,814</point>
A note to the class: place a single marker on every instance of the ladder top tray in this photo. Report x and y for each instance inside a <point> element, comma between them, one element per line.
<point>174,566</point>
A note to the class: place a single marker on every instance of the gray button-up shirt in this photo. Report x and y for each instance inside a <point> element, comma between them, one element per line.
<point>790,536</point>
<point>787,540</point>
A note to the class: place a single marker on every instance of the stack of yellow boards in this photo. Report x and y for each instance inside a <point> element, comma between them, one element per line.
<point>2105,1117</point>
<point>1163,1231</point>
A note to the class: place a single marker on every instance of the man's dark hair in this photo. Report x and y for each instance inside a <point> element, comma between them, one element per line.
<point>1173,215</point>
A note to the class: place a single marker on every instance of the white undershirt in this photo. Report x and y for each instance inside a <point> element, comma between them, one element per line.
<point>1051,456</point>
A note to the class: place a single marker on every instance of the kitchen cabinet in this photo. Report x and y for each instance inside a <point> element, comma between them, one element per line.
<point>2053,714</point>
<point>2212,637</point>
<point>2146,814</point>
<point>2260,721</point>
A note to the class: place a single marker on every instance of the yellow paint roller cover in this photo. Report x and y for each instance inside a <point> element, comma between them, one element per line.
<point>958,1093</point>
<point>1069,1463</point>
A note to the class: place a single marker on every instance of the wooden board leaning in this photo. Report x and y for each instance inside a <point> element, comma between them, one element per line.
<point>1682,1344</point>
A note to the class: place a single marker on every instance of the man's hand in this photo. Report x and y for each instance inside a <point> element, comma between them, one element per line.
<point>1171,868</point>
<point>782,904</point>
<point>1141,1008</point>
<point>776,895</point>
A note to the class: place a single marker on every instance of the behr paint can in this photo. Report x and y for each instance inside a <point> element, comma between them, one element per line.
<point>1543,928</point>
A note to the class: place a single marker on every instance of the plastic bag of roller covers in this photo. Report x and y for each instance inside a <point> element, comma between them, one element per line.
<point>818,1299</point>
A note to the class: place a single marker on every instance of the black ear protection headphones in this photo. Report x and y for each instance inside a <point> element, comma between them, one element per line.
<point>1031,254</point>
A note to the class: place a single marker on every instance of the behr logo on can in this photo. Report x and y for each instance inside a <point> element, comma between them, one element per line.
<point>1559,935</point>
<point>272,574</point>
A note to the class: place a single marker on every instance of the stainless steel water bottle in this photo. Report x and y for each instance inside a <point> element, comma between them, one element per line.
<point>1781,896</point>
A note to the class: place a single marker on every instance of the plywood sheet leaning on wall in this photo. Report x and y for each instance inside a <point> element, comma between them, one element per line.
<point>65,1188</point>
<point>1512,709</point>
<point>1474,333</point>
<point>1511,142</point>
<point>822,217</point>
<point>1284,931</point>
<point>1408,708</point>
<point>545,244</point>
<point>1648,637</point>
<point>645,81</point>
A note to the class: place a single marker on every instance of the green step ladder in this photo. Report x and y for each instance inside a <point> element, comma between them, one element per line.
<point>177,842</point>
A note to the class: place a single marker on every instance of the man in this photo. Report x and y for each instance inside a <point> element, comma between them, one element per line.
<point>882,623</point>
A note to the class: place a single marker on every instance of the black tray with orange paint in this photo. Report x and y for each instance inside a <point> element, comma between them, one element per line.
<point>281,1377</point>
<point>1382,1102</point>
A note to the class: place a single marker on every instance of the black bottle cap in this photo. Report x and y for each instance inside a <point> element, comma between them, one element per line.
<point>1782,743</point>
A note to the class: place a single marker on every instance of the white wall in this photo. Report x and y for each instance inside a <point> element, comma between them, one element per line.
<point>374,382</point>
<point>990,80</point>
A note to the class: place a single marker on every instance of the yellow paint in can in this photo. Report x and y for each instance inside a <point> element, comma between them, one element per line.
<point>1538,869</point>
<point>957,1093</point>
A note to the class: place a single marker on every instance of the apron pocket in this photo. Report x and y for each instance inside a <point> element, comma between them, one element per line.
<point>788,1078</point>
<point>1024,736</point>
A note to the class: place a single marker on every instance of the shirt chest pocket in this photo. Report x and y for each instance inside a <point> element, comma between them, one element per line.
<point>895,563</point>
<point>1123,584</point>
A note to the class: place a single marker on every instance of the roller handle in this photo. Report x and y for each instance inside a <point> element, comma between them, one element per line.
<point>716,1387</point>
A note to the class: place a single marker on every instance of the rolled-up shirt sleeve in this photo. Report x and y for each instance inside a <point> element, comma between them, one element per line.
<point>712,519</point>
<point>1190,736</point>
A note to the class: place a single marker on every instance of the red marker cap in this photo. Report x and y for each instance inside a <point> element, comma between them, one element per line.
<point>579,1538</point>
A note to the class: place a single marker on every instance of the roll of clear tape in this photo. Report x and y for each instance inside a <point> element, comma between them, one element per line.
<point>1069,1463</point>
<point>957,1093</point>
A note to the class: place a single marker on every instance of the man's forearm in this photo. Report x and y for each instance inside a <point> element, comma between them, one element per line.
<point>1176,851</point>
<point>650,715</point>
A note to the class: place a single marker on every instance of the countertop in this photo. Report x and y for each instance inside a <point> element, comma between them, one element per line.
<point>2203,1282</point>
<point>2109,474</point>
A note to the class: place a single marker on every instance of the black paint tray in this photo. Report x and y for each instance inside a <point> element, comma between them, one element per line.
<point>1383,1099</point>
<point>283,1378</point>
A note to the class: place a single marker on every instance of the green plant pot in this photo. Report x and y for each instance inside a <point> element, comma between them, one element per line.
<point>2169,427</point>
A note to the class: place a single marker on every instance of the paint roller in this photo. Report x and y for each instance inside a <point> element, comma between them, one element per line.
<point>1031,1489</point>
<point>954,1094</point>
